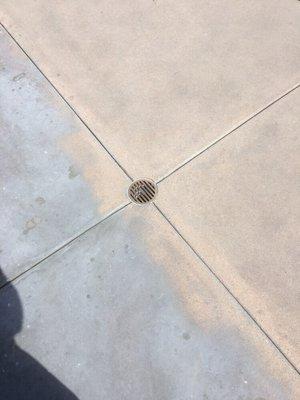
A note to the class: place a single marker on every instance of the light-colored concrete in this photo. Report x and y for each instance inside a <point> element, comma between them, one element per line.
<point>55,178</point>
<point>159,80</point>
<point>129,312</point>
<point>238,206</point>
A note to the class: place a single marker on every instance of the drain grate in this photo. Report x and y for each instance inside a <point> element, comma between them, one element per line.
<point>142,191</point>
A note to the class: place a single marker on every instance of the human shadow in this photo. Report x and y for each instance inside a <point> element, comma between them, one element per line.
<point>21,376</point>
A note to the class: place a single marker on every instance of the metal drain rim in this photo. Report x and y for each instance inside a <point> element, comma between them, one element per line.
<point>149,191</point>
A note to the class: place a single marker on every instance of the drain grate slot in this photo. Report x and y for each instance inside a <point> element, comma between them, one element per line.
<point>142,191</point>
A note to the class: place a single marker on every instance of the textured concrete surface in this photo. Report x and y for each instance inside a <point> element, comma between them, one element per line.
<point>128,311</point>
<point>55,179</point>
<point>241,213</point>
<point>197,296</point>
<point>152,75</point>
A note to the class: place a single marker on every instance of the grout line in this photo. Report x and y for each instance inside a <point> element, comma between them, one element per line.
<point>227,134</point>
<point>226,288</point>
<point>65,244</point>
<point>65,100</point>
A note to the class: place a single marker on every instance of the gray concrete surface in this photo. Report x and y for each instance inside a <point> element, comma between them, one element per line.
<point>55,180</point>
<point>128,309</point>
<point>241,213</point>
<point>152,75</point>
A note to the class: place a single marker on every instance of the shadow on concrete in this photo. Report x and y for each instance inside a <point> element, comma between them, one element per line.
<point>21,376</point>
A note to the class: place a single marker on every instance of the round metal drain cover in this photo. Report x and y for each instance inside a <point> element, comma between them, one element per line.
<point>142,191</point>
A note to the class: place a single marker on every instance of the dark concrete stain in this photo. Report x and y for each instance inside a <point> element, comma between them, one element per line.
<point>30,224</point>
<point>186,336</point>
<point>40,200</point>
<point>88,296</point>
<point>18,77</point>
<point>73,172</point>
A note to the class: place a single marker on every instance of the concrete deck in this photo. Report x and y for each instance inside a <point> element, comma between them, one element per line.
<point>195,296</point>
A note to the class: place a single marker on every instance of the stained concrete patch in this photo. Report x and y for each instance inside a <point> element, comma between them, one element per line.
<point>19,77</point>
<point>186,336</point>
<point>119,325</point>
<point>73,172</point>
<point>30,224</point>
<point>46,194</point>
<point>40,200</point>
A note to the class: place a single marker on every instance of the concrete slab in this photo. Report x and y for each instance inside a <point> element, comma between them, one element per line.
<point>55,178</point>
<point>238,205</point>
<point>128,311</point>
<point>157,81</point>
